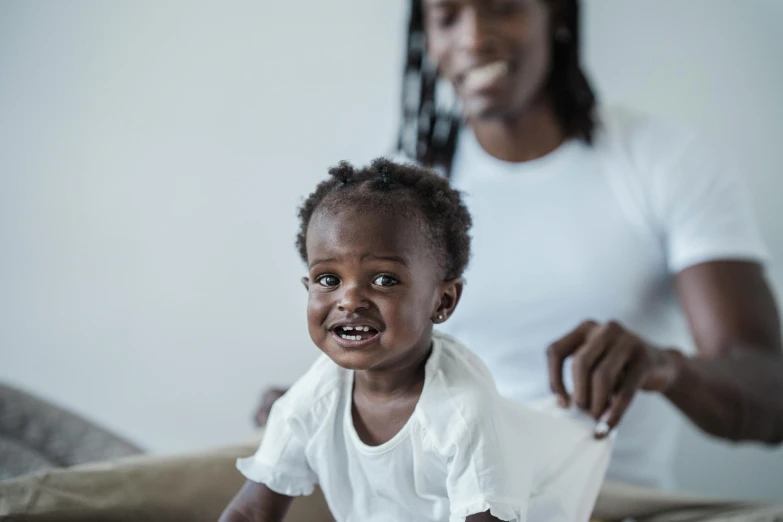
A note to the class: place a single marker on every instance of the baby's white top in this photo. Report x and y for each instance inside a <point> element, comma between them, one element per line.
<point>464,450</point>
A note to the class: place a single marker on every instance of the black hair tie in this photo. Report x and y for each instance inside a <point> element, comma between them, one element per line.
<point>343,172</point>
<point>382,166</point>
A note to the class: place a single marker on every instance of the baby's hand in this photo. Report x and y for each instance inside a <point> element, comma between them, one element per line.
<point>268,398</point>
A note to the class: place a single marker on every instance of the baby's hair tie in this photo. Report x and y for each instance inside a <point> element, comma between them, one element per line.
<point>382,166</point>
<point>343,172</point>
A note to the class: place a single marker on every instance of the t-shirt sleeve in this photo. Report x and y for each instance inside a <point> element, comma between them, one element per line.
<point>704,208</point>
<point>485,473</point>
<point>280,462</point>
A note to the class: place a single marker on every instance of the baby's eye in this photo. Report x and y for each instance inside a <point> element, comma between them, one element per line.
<point>385,280</point>
<point>328,280</point>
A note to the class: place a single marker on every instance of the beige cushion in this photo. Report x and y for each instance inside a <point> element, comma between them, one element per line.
<point>197,487</point>
<point>194,487</point>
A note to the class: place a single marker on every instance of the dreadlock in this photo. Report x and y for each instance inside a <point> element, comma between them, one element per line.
<point>430,124</point>
<point>408,190</point>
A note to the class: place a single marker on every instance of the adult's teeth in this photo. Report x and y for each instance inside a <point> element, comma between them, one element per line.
<point>485,75</point>
<point>347,327</point>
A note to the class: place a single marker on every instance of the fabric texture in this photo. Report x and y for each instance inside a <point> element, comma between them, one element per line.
<point>464,450</point>
<point>596,232</point>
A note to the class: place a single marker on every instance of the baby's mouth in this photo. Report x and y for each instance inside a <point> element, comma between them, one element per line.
<point>355,333</point>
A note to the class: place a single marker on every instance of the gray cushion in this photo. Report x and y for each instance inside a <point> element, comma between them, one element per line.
<point>36,435</point>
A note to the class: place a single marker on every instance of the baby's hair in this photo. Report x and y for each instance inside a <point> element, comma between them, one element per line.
<point>395,188</point>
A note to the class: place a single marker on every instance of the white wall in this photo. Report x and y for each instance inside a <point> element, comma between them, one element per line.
<point>152,154</point>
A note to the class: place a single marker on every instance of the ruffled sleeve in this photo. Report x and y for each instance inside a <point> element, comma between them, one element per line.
<point>280,462</point>
<point>499,510</point>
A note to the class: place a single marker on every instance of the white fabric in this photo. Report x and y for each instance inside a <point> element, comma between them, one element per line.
<point>595,233</point>
<point>464,450</point>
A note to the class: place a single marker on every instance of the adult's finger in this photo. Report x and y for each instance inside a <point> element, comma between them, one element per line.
<point>559,351</point>
<point>622,398</point>
<point>606,374</point>
<point>587,357</point>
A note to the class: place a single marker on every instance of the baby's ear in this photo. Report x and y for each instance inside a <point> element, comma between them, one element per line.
<point>450,293</point>
<point>306,283</point>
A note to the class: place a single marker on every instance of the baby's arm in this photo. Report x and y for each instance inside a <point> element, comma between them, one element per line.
<point>280,469</point>
<point>256,503</point>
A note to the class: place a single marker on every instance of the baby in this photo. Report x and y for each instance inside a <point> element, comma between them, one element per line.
<point>395,421</point>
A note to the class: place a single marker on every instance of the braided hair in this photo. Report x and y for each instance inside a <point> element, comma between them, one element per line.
<point>430,124</point>
<point>409,190</point>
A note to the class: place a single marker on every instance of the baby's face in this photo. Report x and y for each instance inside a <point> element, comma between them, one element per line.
<point>373,286</point>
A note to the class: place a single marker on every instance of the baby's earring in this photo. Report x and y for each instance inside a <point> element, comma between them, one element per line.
<point>440,317</point>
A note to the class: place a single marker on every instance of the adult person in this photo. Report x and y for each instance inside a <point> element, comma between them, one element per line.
<point>617,242</point>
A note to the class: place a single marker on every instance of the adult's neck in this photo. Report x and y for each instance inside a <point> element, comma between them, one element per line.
<point>527,136</point>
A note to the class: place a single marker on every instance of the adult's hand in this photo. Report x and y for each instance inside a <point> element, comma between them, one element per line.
<point>609,365</point>
<point>268,398</point>
<point>732,388</point>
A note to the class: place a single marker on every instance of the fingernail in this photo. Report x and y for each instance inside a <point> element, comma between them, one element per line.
<point>562,401</point>
<point>602,428</point>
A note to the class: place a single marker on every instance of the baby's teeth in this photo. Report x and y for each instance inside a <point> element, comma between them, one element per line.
<point>357,328</point>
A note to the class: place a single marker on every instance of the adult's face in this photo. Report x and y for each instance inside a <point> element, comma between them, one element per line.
<point>496,53</point>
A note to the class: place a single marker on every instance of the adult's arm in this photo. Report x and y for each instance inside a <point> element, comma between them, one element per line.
<point>732,388</point>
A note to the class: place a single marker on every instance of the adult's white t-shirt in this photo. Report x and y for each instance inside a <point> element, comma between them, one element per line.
<point>596,232</point>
